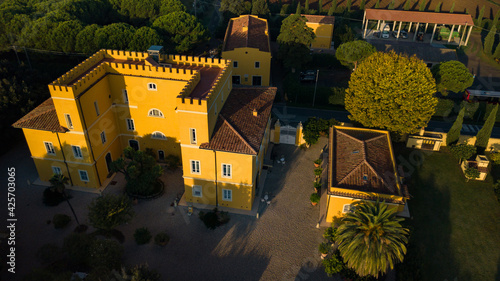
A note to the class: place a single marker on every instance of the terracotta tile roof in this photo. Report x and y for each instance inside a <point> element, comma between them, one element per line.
<point>43,117</point>
<point>255,34</point>
<point>421,17</point>
<point>362,161</point>
<point>237,129</point>
<point>320,19</point>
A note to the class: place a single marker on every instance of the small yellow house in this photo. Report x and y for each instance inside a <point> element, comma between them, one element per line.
<point>361,167</point>
<point>175,105</point>
<point>246,44</point>
<point>323,28</point>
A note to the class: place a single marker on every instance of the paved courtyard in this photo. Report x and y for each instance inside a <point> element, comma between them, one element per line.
<point>279,245</point>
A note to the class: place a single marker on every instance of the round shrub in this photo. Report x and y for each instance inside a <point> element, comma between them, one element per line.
<point>142,236</point>
<point>315,197</point>
<point>162,239</point>
<point>61,220</point>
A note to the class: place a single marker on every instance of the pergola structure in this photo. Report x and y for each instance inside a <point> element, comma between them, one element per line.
<point>420,18</point>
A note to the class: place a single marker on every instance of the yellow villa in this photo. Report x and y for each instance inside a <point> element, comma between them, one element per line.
<point>175,105</point>
<point>323,28</point>
<point>247,45</point>
<point>361,167</point>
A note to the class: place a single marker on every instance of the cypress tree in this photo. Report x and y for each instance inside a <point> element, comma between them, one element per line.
<point>298,9</point>
<point>489,41</point>
<point>377,5</point>
<point>349,3</point>
<point>495,20</point>
<point>407,5</point>
<point>421,8</point>
<point>438,8</point>
<point>497,52</point>
<point>480,17</point>
<point>332,8</point>
<point>452,7</point>
<point>454,133</point>
<point>391,6</point>
<point>320,7</point>
<point>483,136</point>
<point>306,7</point>
<point>362,5</point>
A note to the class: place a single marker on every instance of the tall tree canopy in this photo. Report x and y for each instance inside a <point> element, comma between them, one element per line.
<point>393,92</point>
<point>236,7</point>
<point>371,239</point>
<point>295,38</point>
<point>483,136</point>
<point>259,7</point>
<point>64,35</point>
<point>452,76</point>
<point>114,36</point>
<point>85,40</point>
<point>454,134</point>
<point>183,29</point>
<point>144,38</point>
<point>352,52</point>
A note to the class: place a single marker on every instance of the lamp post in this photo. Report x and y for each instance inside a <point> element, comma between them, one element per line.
<point>315,86</point>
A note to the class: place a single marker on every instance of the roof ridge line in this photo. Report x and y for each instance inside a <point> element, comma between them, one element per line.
<point>237,133</point>
<point>36,114</point>
<point>352,171</point>
<point>378,176</point>
<point>358,140</point>
<point>376,137</point>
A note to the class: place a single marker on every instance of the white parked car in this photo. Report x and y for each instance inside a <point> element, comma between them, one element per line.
<point>385,34</point>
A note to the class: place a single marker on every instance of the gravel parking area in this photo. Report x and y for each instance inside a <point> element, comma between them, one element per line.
<point>279,245</point>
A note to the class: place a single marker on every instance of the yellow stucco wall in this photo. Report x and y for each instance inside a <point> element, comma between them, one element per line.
<point>245,59</point>
<point>324,33</point>
<point>335,206</point>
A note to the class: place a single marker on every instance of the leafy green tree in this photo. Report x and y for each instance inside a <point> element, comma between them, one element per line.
<point>144,38</point>
<point>115,36</point>
<point>371,239</point>
<point>480,17</point>
<point>259,7</point>
<point>295,38</point>
<point>489,41</point>
<point>85,42</point>
<point>109,211</point>
<point>184,30</point>
<point>471,173</point>
<point>333,7</point>
<point>463,151</point>
<point>314,126</point>
<point>438,7</point>
<point>144,9</point>
<point>236,7</point>
<point>333,264</point>
<point>353,52</point>
<point>140,170</point>
<point>483,136</point>
<point>452,76</point>
<point>422,5</point>
<point>170,6</point>
<point>407,5</point>
<point>64,35</point>
<point>88,11</point>
<point>35,34</point>
<point>470,109</point>
<point>444,107</point>
<point>452,7</point>
<point>337,97</point>
<point>393,92</point>
<point>14,28</point>
<point>454,133</point>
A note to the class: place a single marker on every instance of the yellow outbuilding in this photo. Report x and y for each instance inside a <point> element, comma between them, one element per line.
<point>361,166</point>
<point>323,28</point>
<point>175,105</point>
<point>247,45</point>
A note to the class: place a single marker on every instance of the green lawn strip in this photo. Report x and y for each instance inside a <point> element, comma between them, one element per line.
<point>456,224</point>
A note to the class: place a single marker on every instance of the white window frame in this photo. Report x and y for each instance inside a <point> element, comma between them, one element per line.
<point>226,170</point>
<point>196,165</point>
<point>96,106</point>
<point>195,189</point>
<point>235,64</point>
<point>69,122</point>
<point>155,110</point>
<point>152,87</point>
<point>161,137</point>
<point>103,137</point>
<point>77,151</point>
<point>192,135</point>
<point>56,170</point>
<point>125,96</point>
<point>49,147</point>
<point>257,64</point>
<point>84,173</point>
<point>130,124</point>
<point>226,192</point>
<point>347,208</point>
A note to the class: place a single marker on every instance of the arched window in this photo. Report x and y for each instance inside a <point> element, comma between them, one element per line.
<point>155,113</point>
<point>158,135</point>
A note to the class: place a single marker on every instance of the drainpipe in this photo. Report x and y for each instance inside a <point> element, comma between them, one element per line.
<point>64,158</point>
<point>88,139</point>
<point>216,190</point>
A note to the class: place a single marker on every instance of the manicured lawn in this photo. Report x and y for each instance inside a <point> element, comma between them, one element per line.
<point>456,224</point>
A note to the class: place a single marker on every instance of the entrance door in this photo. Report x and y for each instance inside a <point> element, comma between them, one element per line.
<point>161,155</point>
<point>287,134</point>
<point>108,162</point>
<point>134,144</point>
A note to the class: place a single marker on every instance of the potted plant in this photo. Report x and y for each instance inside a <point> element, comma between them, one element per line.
<point>317,186</point>
<point>162,239</point>
<point>323,249</point>
<point>317,162</point>
<point>314,199</point>
<point>318,171</point>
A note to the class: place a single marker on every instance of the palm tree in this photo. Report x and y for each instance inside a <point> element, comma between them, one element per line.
<point>371,239</point>
<point>58,182</point>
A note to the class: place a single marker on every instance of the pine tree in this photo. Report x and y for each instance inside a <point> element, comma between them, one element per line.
<point>391,6</point>
<point>480,17</point>
<point>377,5</point>
<point>421,8</point>
<point>306,7</point>
<point>483,136</point>
<point>407,5</point>
<point>362,5</point>
<point>454,133</point>
<point>452,7</point>
<point>438,8</point>
<point>320,7</point>
<point>489,41</point>
<point>298,9</point>
<point>332,8</point>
